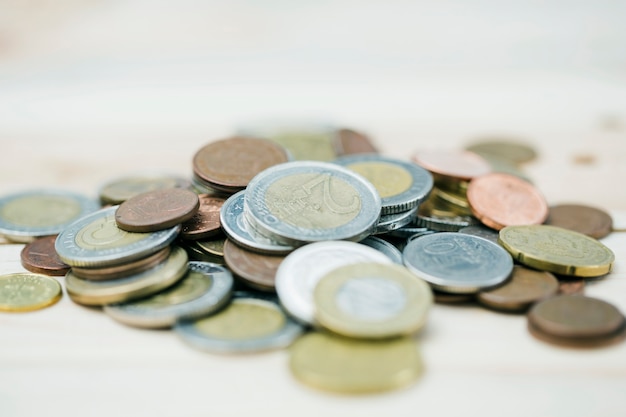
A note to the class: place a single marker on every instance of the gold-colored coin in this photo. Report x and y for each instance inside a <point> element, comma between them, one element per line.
<point>355,366</point>
<point>213,246</point>
<point>372,300</point>
<point>557,250</point>
<point>388,179</point>
<point>28,292</point>
<point>307,146</point>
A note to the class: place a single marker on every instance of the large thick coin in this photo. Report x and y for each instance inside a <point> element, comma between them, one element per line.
<point>204,289</point>
<point>458,263</point>
<point>95,240</point>
<point>30,214</point>
<point>27,292</point>
<point>301,202</point>
<point>121,189</point>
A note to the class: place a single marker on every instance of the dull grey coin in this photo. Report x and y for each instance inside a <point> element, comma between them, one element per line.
<point>384,247</point>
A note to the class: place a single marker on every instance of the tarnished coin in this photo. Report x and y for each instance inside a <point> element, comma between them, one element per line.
<point>557,250</point>
<point>458,263</point>
<point>384,247</point>
<point>119,190</point>
<point>27,292</point>
<point>452,165</point>
<point>389,222</point>
<point>96,241</point>
<point>500,200</point>
<point>250,323</point>
<point>301,270</point>
<point>514,151</point>
<point>30,214</point>
<point>204,289</point>
<point>129,288</point>
<point>525,287</point>
<point>346,365</point>
<point>257,270</point>
<point>372,300</point>
<point>206,222</point>
<point>590,221</point>
<point>481,231</point>
<point>40,257</point>
<point>122,270</point>
<point>306,201</point>
<point>350,142</point>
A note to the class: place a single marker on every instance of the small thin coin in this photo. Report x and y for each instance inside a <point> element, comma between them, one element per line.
<point>481,231</point>
<point>27,292</point>
<point>570,287</point>
<point>576,342</point>
<point>557,250</point>
<point>354,366</point>
<point>119,190</point>
<point>453,164</point>
<point>389,222</point>
<point>40,257</point>
<point>590,221</point>
<point>122,270</point>
<point>213,246</point>
<point>384,247</point>
<point>206,222</point>
<point>510,150</point>
<point>431,217</point>
<point>204,289</point>
<point>350,142</point>
<point>257,270</point>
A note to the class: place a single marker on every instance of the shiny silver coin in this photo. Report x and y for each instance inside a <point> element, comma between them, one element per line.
<point>458,263</point>
<point>402,185</point>
<point>445,224</point>
<point>300,271</point>
<point>204,289</point>
<point>481,231</point>
<point>301,202</point>
<point>390,222</point>
<point>384,247</point>
<point>408,231</point>
<point>95,240</point>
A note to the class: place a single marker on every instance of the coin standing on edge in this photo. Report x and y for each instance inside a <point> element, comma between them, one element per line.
<point>27,292</point>
<point>590,221</point>
<point>40,257</point>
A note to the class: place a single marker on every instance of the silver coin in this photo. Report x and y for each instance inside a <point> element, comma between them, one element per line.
<point>402,185</point>
<point>384,247</point>
<point>389,222</point>
<point>458,263</point>
<point>445,224</point>
<point>95,240</point>
<point>307,201</point>
<point>30,214</point>
<point>222,332</point>
<point>204,289</point>
<point>237,228</point>
<point>408,231</point>
<point>302,269</point>
<point>481,231</point>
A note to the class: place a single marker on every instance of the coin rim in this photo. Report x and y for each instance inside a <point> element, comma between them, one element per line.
<point>35,306</point>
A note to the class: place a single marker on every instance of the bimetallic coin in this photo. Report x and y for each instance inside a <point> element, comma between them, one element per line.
<point>206,222</point>
<point>557,250</point>
<point>28,292</point>
<point>250,323</point>
<point>590,221</point>
<point>345,365</point>
<point>458,263</point>
<point>122,270</point>
<point>306,201</point>
<point>95,241</point>
<point>371,300</point>
<point>40,257</point>
<point>255,269</point>
<point>205,288</point>
<point>384,247</point>
<point>27,215</point>
<point>452,165</point>
<point>388,222</point>
<point>120,190</point>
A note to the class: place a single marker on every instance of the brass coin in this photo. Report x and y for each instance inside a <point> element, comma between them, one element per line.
<point>213,246</point>
<point>557,250</point>
<point>257,270</point>
<point>28,292</point>
<point>514,151</point>
<point>119,190</point>
<point>206,222</point>
<point>349,142</point>
<point>40,257</point>
<point>122,270</point>
<point>157,210</point>
<point>355,366</point>
<point>452,165</point>
<point>587,220</point>
<point>525,287</point>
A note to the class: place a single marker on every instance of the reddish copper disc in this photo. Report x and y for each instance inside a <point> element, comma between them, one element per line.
<point>257,270</point>
<point>572,287</point>
<point>350,142</point>
<point>206,222</point>
<point>124,270</point>
<point>587,220</point>
<point>40,257</point>
<point>454,165</point>
<point>500,200</point>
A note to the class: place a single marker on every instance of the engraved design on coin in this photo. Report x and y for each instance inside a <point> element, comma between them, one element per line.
<point>103,233</point>
<point>24,292</point>
<point>371,298</point>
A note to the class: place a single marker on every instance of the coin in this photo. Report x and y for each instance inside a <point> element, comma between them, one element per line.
<point>511,150</point>
<point>452,165</point>
<point>205,288</point>
<point>388,222</point>
<point>30,214</point>
<point>371,300</point>
<point>500,200</point>
<point>456,201</point>
<point>525,287</point>
<point>434,218</point>
<point>257,270</point>
<point>122,270</point>
<point>198,254</point>
<point>481,231</point>
<point>301,270</point>
<point>206,222</point>
<point>250,323</point>
<point>572,287</point>
<point>350,142</point>
<point>587,220</point>
<point>213,246</point>
<point>96,241</point>
<point>306,144</point>
<point>449,298</point>
<point>129,288</point>
<point>457,263</point>
<point>40,257</point>
<point>557,250</point>
<point>119,190</point>
<point>384,247</point>
<point>307,201</point>
<point>27,292</point>
<point>340,364</point>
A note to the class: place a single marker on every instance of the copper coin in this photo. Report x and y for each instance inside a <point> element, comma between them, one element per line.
<point>39,256</point>
<point>230,164</point>
<point>572,287</point>
<point>499,200</point>
<point>350,142</point>
<point>123,270</point>
<point>257,270</point>
<point>577,342</point>
<point>455,165</point>
<point>587,220</point>
<point>525,287</point>
<point>156,210</point>
<point>206,222</point>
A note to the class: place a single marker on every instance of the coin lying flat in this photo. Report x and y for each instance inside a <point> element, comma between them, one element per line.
<point>481,231</point>
<point>388,222</point>
<point>452,165</point>
<point>206,222</point>
<point>510,150</point>
<point>257,270</point>
<point>40,257</point>
<point>384,247</point>
<point>572,287</point>
<point>590,221</point>
<point>350,142</point>
<point>28,292</point>
<point>122,270</point>
<point>119,190</point>
<point>430,216</point>
<point>204,289</point>
<point>339,364</point>
<point>557,250</point>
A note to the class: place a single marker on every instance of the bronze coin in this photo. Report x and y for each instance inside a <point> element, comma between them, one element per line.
<point>123,270</point>
<point>577,342</point>
<point>39,256</point>
<point>257,270</point>
<point>350,142</point>
<point>156,210</point>
<point>587,220</point>
<point>499,200</point>
<point>206,222</point>
<point>525,287</point>
<point>230,164</point>
<point>452,165</point>
<point>572,287</point>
